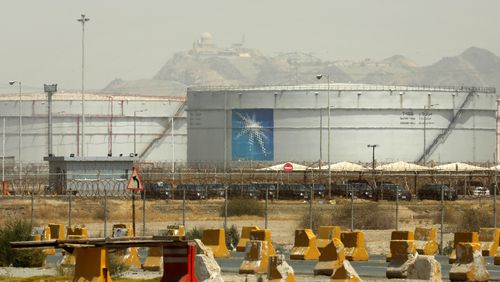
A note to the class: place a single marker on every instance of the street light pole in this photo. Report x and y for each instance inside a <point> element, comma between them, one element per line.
<point>373,154</point>
<point>319,76</point>
<point>20,129</point>
<point>83,20</point>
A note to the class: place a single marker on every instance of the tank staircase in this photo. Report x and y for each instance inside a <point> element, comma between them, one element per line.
<point>165,131</point>
<point>446,132</point>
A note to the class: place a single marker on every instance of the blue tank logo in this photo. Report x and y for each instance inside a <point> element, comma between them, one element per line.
<point>252,134</point>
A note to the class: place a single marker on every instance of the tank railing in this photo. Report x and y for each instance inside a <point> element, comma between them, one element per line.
<point>344,87</point>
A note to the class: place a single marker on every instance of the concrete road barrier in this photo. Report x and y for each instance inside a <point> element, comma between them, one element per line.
<point>129,256</point>
<point>426,241</point>
<point>399,235</point>
<point>74,232</point>
<point>92,264</point>
<point>469,264</point>
<point>304,247</point>
<point>256,258</point>
<point>263,235</point>
<point>215,239</point>
<point>462,237</point>
<point>424,268</point>
<point>326,234</point>
<point>154,260</point>
<point>354,245</point>
<point>488,239</point>
<point>53,231</point>
<point>403,255</point>
<point>206,267</point>
<point>279,270</point>
<point>245,236</point>
<point>331,258</point>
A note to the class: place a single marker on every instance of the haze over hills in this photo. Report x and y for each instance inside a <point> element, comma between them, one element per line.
<point>207,64</point>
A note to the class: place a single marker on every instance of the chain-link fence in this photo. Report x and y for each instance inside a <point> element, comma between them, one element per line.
<point>282,202</point>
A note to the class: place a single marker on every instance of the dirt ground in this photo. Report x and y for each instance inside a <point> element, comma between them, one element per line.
<point>284,216</point>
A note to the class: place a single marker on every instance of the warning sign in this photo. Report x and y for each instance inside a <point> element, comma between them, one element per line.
<point>134,182</point>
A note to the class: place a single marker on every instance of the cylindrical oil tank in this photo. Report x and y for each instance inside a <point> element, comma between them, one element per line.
<point>290,123</point>
<point>113,123</point>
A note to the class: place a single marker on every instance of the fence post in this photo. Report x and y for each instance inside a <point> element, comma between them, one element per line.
<point>184,206</point>
<point>265,211</point>
<point>352,208</point>
<point>69,206</point>
<point>32,206</point>
<point>495,201</point>
<point>105,212</point>
<point>225,207</point>
<point>144,212</point>
<point>442,221</point>
<point>397,207</point>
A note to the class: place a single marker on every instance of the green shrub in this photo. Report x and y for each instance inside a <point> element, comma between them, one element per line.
<point>448,248</point>
<point>195,233</point>
<point>239,207</point>
<point>232,237</point>
<point>116,266</point>
<point>18,230</point>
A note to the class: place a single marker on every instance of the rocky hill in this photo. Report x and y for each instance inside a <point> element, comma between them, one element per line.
<point>207,64</point>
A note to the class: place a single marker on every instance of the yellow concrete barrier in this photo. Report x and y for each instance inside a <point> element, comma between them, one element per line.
<point>469,264</point>
<point>264,235</point>
<point>245,236</point>
<point>426,241</point>
<point>92,264</point>
<point>130,256</point>
<point>462,237</point>
<point>304,247</point>
<point>403,254</point>
<point>331,258</point>
<point>399,235</point>
<point>154,260</point>
<point>279,270</point>
<point>215,239</point>
<point>488,239</point>
<point>173,230</point>
<point>354,245</point>
<point>74,232</point>
<point>327,234</point>
<point>256,258</point>
<point>53,232</point>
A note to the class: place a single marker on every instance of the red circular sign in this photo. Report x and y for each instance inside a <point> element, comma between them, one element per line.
<point>288,167</point>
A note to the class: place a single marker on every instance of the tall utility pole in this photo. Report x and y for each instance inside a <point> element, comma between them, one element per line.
<point>50,89</point>
<point>20,128</point>
<point>83,20</point>
<point>373,154</point>
<point>319,76</point>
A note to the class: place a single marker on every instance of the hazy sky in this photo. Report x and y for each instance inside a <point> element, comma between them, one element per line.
<point>41,40</point>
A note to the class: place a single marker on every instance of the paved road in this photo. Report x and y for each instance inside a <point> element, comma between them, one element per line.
<point>374,268</point>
